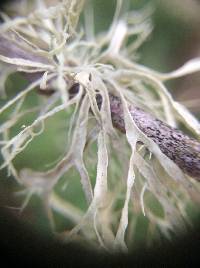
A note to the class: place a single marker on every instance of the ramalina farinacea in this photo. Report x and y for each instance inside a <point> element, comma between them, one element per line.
<point>121,108</point>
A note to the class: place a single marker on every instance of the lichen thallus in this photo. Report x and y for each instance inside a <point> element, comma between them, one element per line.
<point>179,147</point>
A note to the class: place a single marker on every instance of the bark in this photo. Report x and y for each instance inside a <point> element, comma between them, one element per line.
<point>180,148</point>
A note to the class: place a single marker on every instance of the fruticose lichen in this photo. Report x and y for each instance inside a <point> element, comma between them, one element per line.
<point>55,51</point>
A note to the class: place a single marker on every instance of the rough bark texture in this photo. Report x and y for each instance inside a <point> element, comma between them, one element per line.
<point>180,148</point>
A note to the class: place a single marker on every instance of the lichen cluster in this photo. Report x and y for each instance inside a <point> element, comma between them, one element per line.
<point>55,51</point>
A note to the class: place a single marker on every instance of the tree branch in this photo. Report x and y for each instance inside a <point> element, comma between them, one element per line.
<point>180,148</point>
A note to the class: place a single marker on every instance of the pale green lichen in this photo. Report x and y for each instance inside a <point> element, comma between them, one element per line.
<point>103,64</point>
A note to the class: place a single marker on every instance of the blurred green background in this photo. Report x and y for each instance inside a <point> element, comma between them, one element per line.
<point>174,40</point>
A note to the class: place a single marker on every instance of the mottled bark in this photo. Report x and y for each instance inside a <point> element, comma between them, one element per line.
<point>180,148</point>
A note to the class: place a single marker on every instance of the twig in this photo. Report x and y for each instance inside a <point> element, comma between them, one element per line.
<point>180,148</point>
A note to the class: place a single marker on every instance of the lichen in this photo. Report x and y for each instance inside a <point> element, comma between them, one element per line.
<point>51,49</point>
